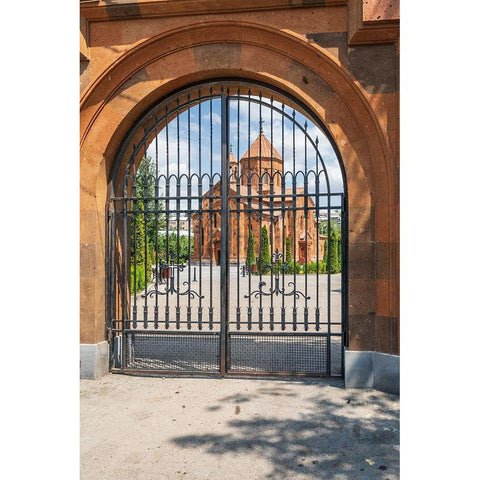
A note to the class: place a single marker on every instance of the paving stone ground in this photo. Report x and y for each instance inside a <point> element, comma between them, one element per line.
<point>147,428</point>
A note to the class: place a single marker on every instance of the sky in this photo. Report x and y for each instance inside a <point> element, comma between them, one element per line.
<point>184,143</point>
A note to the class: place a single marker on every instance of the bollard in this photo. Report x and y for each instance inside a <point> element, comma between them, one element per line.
<point>194,274</point>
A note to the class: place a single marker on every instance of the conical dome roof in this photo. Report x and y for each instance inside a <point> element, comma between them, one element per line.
<point>231,158</point>
<point>261,144</point>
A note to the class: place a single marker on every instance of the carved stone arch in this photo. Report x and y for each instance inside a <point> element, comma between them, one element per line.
<point>166,63</point>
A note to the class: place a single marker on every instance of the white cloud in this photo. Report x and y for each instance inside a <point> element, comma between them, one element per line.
<point>211,156</point>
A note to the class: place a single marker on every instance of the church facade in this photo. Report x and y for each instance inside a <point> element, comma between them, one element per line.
<point>256,199</point>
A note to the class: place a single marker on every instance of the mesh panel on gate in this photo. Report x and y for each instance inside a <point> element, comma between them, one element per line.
<point>189,353</point>
<point>278,354</point>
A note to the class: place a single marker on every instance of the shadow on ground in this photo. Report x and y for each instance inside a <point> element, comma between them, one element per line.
<point>354,436</point>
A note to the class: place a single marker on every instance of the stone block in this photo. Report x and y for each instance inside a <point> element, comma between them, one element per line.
<point>362,332</point>
<point>380,371</point>
<point>361,260</point>
<point>361,297</point>
<point>386,372</point>
<point>361,224</point>
<point>358,369</point>
<point>93,360</point>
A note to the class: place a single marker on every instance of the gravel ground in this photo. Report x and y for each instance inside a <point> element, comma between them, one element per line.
<point>147,428</point>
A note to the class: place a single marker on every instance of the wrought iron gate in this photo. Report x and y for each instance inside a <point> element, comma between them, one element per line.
<point>226,238</point>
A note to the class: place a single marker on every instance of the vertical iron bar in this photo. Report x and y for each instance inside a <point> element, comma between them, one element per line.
<point>189,208</point>
<point>224,245</point>
<point>145,234</point>
<point>126,273</point>
<point>317,213</point>
<point>260,207</point>
<point>329,338</point>
<point>200,212</point>
<point>249,209</point>
<point>272,225</point>
<point>344,281</point>
<point>282,310</point>
<point>306,213</point>
<point>177,260</point>
<point>167,218</point>
<point>239,228</point>
<point>113,280</point>
<point>135,226</point>
<point>294,214</point>
<point>211,214</point>
<point>156,222</point>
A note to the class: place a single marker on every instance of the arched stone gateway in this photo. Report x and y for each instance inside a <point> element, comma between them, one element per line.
<point>357,108</point>
<point>248,287</point>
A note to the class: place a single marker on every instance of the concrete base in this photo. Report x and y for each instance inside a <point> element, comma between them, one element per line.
<point>377,370</point>
<point>93,360</point>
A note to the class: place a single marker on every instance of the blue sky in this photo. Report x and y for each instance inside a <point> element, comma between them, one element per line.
<point>211,141</point>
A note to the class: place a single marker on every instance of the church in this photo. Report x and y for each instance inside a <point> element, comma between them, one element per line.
<point>253,179</point>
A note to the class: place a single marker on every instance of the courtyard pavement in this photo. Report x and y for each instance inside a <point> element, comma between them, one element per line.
<point>154,428</point>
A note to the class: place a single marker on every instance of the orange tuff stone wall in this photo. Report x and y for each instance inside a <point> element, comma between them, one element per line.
<point>330,54</point>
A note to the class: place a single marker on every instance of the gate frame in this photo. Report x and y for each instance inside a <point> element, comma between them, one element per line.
<point>224,253</point>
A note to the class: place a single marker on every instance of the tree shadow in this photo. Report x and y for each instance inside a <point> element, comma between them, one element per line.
<point>324,436</point>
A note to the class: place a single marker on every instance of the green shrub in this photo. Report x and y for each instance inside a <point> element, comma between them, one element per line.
<point>299,268</point>
<point>313,266</point>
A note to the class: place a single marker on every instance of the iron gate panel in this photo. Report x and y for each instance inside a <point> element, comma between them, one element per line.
<point>217,260</point>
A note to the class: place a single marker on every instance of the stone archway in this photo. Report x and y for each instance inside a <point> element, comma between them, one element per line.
<point>165,63</point>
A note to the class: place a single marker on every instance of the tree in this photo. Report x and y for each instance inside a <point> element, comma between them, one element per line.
<point>339,245</point>
<point>288,253</point>
<point>144,227</point>
<point>325,257</point>
<point>180,256</point>
<point>250,260</point>
<point>323,227</point>
<point>265,257</point>
<point>331,249</point>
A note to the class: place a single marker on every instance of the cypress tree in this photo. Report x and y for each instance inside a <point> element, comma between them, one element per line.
<point>325,256</point>
<point>265,258</point>
<point>334,266</point>
<point>339,245</point>
<point>288,253</point>
<point>250,260</point>
<point>138,234</point>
